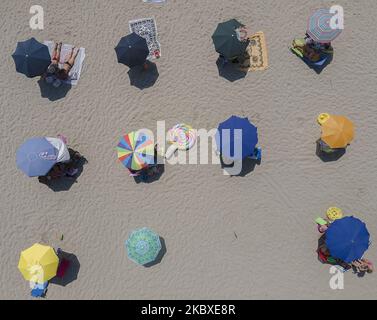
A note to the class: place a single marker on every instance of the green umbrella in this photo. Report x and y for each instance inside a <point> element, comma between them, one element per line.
<point>226,40</point>
<point>143,246</point>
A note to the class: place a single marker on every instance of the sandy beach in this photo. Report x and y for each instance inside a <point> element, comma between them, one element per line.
<point>250,237</point>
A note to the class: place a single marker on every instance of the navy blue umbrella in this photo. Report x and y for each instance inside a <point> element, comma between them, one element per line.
<point>347,239</point>
<point>132,50</point>
<point>228,138</point>
<point>31,57</point>
<point>36,157</point>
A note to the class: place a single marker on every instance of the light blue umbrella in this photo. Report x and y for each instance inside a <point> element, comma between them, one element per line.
<point>143,246</point>
<point>36,157</point>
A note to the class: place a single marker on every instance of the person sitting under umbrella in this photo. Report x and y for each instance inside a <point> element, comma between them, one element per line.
<point>54,75</point>
<point>362,266</point>
<point>67,161</point>
<point>149,170</point>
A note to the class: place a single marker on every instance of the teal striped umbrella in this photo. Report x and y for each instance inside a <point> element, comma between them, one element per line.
<point>143,246</point>
<point>319,26</point>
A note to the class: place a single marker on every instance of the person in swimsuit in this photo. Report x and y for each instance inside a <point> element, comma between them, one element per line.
<point>54,75</point>
<point>68,64</point>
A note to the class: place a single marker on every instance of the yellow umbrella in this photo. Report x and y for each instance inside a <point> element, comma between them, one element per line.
<point>39,263</point>
<point>337,131</point>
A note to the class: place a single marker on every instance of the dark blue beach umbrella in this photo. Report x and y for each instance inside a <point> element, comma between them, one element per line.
<point>132,50</point>
<point>36,156</point>
<point>31,57</point>
<point>228,138</point>
<point>347,239</point>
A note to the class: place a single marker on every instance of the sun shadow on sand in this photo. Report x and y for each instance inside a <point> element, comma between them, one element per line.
<point>145,178</point>
<point>160,254</point>
<point>72,271</point>
<point>229,71</point>
<point>65,183</point>
<point>316,68</point>
<point>52,93</point>
<point>248,166</point>
<point>329,157</point>
<point>141,78</point>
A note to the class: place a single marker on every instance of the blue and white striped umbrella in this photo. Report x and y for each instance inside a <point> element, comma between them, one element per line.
<point>319,26</point>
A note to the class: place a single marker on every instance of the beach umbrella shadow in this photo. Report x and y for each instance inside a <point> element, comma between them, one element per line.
<point>149,179</point>
<point>72,271</point>
<point>248,166</point>
<point>159,256</point>
<point>329,157</point>
<point>229,71</point>
<point>65,183</point>
<point>52,93</point>
<point>141,78</point>
<point>319,68</point>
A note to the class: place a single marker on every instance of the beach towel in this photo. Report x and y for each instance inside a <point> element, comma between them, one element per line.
<point>75,73</point>
<point>147,29</point>
<point>257,52</point>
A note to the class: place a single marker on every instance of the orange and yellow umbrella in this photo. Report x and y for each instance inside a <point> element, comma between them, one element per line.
<point>337,131</point>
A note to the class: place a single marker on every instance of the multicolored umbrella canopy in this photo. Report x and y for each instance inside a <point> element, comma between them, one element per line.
<point>136,150</point>
<point>229,135</point>
<point>132,50</point>
<point>36,157</point>
<point>347,239</point>
<point>337,131</point>
<point>39,263</point>
<point>319,27</point>
<point>31,57</point>
<point>226,40</point>
<point>143,246</point>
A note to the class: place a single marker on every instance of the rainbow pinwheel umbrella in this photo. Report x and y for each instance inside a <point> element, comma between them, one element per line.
<point>136,150</point>
<point>143,246</point>
<point>319,26</point>
<point>39,263</point>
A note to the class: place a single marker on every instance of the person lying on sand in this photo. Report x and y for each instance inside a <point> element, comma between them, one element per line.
<point>68,64</point>
<point>54,75</point>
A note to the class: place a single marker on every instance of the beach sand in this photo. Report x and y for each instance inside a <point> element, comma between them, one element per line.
<point>226,237</point>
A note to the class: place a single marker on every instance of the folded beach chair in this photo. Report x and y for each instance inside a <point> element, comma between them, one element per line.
<point>39,290</point>
<point>257,154</point>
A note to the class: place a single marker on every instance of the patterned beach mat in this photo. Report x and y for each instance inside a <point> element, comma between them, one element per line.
<point>147,29</point>
<point>257,51</point>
